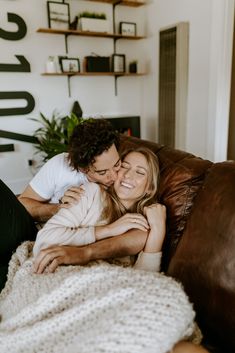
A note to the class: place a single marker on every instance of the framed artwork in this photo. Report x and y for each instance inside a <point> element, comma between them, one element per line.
<point>127,28</point>
<point>70,64</point>
<point>58,15</point>
<point>118,63</point>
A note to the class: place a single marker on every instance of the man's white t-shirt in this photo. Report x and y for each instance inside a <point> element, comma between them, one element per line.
<point>55,177</point>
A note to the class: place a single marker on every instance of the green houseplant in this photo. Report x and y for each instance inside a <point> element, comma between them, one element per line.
<point>54,134</point>
<point>88,14</point>
<point>93,22</point>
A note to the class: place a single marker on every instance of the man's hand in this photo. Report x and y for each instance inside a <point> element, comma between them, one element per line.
<point>49,259</point>
<point>71,196</point>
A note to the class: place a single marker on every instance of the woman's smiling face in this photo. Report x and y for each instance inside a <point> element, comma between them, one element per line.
<point>132,180</point>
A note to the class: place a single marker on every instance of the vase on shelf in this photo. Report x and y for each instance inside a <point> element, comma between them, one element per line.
<point>51,65</point>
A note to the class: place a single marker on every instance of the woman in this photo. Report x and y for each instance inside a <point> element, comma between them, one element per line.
<point>130,203</point>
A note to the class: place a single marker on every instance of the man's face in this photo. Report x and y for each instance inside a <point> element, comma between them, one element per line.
<point>104,170</point>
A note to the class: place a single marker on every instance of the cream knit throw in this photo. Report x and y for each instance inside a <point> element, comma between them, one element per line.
<point>100,308</point>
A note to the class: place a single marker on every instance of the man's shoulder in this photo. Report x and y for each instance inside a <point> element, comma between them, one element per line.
<point>60,162</point>
<point>91,187</point>
<point>61,158</point>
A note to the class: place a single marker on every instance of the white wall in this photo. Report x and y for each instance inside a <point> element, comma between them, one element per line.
<point>136,96</point>
<point>210,53</point>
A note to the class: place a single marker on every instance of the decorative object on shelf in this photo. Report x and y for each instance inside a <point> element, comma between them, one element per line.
<point>95,63</point>
<point>76,109</point>
<point>51,65</point>
<point>127,28</point>
<point>93,22</point>
<point>58,15</point>
<point>133,66</point>
<point>74,25</point>
<point>118,63</point>
<point>70,64</point>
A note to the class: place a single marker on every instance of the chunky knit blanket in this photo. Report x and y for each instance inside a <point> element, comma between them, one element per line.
<point>100,308</point>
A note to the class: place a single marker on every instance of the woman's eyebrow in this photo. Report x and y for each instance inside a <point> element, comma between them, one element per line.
<point>138,166</point>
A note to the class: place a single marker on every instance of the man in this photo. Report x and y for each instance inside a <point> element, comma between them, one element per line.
<point>93,156</point>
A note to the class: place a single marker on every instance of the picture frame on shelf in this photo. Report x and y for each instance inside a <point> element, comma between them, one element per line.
<point>127,28</point>
<point>119,63</point>
<point>58,15</point>
<point>71,65</point>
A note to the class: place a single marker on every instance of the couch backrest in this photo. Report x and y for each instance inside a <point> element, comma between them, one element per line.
<point>205,258</point>
<point>181,176</point>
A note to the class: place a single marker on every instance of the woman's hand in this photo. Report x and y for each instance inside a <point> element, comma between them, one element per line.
<point>122,225</point>
<point>156,216</point>
<point>71,196</point>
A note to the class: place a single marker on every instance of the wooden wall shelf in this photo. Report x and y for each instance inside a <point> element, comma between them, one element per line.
<point>87,34</point>
<point>113,36</point>
<point>93,74</point>
<point>131,3</point>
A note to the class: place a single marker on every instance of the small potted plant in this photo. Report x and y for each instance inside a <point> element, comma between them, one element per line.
<point>93,22</point>
<point>133,66</point>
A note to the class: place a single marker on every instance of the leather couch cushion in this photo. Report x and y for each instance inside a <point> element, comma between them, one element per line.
<point>205,258</point>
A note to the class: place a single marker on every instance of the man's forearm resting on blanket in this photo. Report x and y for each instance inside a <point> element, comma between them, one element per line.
<point>129,243</point>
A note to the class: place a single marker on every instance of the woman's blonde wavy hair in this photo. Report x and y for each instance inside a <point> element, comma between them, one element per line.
<point>114,209</point>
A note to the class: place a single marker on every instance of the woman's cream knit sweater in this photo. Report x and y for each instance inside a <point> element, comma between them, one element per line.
<point>76,226</point>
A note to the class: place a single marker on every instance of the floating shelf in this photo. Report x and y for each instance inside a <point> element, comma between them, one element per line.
<point>131,3</point>
<point>113,36</point>
<point>68,32</point>
<point>93,74</point>
<point>116,75</point>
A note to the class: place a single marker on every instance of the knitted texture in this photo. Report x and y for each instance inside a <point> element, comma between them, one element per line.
<point>99,308</point>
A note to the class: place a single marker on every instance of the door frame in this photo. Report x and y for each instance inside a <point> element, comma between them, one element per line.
<point>220,78</point>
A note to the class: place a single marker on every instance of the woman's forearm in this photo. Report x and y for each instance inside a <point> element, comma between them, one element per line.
<point>102,232</point>
<point>155,241</point>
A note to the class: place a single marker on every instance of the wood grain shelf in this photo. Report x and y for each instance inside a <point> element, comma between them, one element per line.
<point>92,74</point>
<point>68,32</point>
<point>131,3</point>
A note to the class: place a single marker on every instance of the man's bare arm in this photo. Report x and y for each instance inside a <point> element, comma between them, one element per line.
<point>129,243</point>
<point>40,209</point>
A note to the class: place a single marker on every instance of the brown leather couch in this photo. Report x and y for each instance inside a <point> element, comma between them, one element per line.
<point>200,244</point>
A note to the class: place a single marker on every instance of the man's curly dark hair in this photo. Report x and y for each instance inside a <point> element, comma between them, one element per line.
<point>89,140</point>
